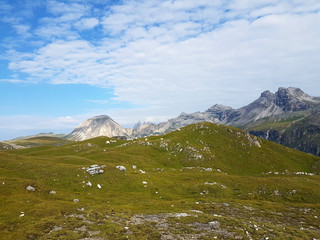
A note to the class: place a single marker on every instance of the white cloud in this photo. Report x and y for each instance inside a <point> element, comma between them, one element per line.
<point>182,55</point>
<point>23,30</point>
<point>60,8</point>
<point>87,23</point>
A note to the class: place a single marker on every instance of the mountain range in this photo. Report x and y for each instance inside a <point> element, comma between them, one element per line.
<point>288,116</point>
<point>202,181</point>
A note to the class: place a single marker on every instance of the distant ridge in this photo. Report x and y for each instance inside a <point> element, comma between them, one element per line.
<point>50,134</point>
<point>287,104</point>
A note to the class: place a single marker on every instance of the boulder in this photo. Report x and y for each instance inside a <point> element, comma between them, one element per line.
<point>30,188</point>
<point>121,168</point>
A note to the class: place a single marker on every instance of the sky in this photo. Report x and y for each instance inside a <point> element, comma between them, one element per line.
<point>62,62</point>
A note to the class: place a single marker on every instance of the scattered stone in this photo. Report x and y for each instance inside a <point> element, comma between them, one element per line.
<point>93,233</point>
<point>121,168</point>
<point>75,200</point>
<point>277,193</point>
<point>141,171</point>
<point>214,224</point>
<point>30,188</point>
<point>99,186</point>
<point>22,214</point>
<point>56,228</point>
<point>81,229</point>
<point>95,169</point>
<point>181,215</point>
<point>144,182</point>
<point>52,192</point>
<point>3,183</point>
<point>107,142</point>
<point>134,167</point>
<point>89,184</point>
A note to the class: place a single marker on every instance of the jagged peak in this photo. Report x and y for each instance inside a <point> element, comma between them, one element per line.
<point>267,94</point>
<point>140,124</point>
<point>219,107</point>
<point>294,94</point>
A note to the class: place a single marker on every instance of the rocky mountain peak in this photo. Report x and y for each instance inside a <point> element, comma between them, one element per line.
<point>140,124</point>
<point>218,107</point>
<point>267,94</point>
<point>220,112</point>
<point>101,125</point>
<point>293,99</point>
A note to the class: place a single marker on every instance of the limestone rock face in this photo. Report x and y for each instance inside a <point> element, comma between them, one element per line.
<point>293,99</point>
<point>98,126</point>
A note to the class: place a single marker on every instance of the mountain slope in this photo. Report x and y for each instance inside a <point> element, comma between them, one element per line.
<point>40,141</point>
<point>270,109</point>
<point>302,133</point>
<point>50,134</point>
<point>205,181</point>
<point>98,126</point>
<point>286,105</point>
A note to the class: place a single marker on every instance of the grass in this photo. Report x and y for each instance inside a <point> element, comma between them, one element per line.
<point>229,185</point>
<point>41,141</point>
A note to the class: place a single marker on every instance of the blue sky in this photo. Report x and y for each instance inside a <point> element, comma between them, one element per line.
<point>65,61</point>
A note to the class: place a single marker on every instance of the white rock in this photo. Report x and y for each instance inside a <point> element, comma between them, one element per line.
<point>22,214</point>
<point>95,169</point>
<point>134,167</point>
<point>144,182</point>
<point>181,215</point>
<point>121,168</point>
<point>142,171</point>
<point>30,188</point>
<point>214,224</point>
<point>52,192</point>
<point>107,142</point>
<point>75,200</point>
<point>99,186</point>
<point>89,184</point>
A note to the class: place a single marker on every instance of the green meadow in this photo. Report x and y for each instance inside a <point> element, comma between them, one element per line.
<point>204,181</point>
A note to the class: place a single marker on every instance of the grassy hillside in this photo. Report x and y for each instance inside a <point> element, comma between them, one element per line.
<point>206,181</point>
<point>41,141</point>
